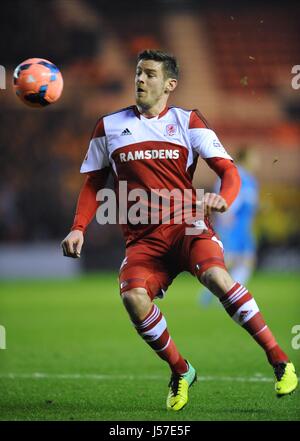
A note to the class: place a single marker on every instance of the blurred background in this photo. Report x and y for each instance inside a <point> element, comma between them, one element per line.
<point>236,60</point>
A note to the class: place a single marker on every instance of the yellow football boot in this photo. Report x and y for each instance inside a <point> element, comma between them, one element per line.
<point>286,379</point>
<point>179,386</point>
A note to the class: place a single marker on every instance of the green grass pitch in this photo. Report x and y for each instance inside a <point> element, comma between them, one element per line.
<point>73,354</point>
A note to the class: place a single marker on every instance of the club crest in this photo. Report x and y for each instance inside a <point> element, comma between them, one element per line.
<point>171,129</point>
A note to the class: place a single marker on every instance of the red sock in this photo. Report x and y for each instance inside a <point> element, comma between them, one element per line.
<point>153,329</point>
<point>243,309</point>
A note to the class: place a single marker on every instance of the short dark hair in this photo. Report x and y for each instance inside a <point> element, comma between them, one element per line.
<point>170,64</point>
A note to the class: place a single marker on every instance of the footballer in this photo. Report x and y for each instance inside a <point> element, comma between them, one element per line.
<point>153,146</point>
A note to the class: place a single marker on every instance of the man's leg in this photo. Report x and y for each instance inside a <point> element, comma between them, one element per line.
<point>240,267</point>
<point>152,327</point>
<point>242,308</point>
<point>144,275</point>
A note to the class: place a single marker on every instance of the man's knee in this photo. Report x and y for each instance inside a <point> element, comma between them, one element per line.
<point>134,296</point>
<point>217,280</point>
<point>137,302</point>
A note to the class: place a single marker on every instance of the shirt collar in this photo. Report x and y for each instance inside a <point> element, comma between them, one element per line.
<point>140,116</point>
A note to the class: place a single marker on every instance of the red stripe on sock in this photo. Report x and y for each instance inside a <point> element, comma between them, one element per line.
<point>161,341</point>
<point>231,291</point>
<point>238,303</point>
<point>151,325</point>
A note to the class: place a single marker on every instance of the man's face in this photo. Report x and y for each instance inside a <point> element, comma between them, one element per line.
<point>150,83</point>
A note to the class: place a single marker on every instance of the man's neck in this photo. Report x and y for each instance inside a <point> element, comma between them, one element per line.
<point>152,111</point>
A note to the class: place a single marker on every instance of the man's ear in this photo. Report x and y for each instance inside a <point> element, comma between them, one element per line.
<point>171,85</point>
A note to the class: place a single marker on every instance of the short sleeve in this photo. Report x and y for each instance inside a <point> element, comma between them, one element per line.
<point>204,140</point>
<point>97,155</point>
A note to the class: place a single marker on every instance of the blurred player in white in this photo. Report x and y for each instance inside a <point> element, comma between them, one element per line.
<point>154,147</point>
<point>235,227</point>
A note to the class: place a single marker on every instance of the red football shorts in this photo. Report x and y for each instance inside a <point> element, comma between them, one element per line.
<point>155,260</point>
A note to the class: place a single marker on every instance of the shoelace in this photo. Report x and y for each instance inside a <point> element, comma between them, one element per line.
<point>279,370</point>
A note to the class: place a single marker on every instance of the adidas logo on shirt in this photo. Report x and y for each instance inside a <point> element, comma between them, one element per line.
<point>126,132</point>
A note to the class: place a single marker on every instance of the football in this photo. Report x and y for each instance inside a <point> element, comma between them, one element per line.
<point>37,82</point>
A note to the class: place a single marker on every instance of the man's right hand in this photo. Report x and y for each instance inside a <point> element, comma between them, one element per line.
<point>72,244</point>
